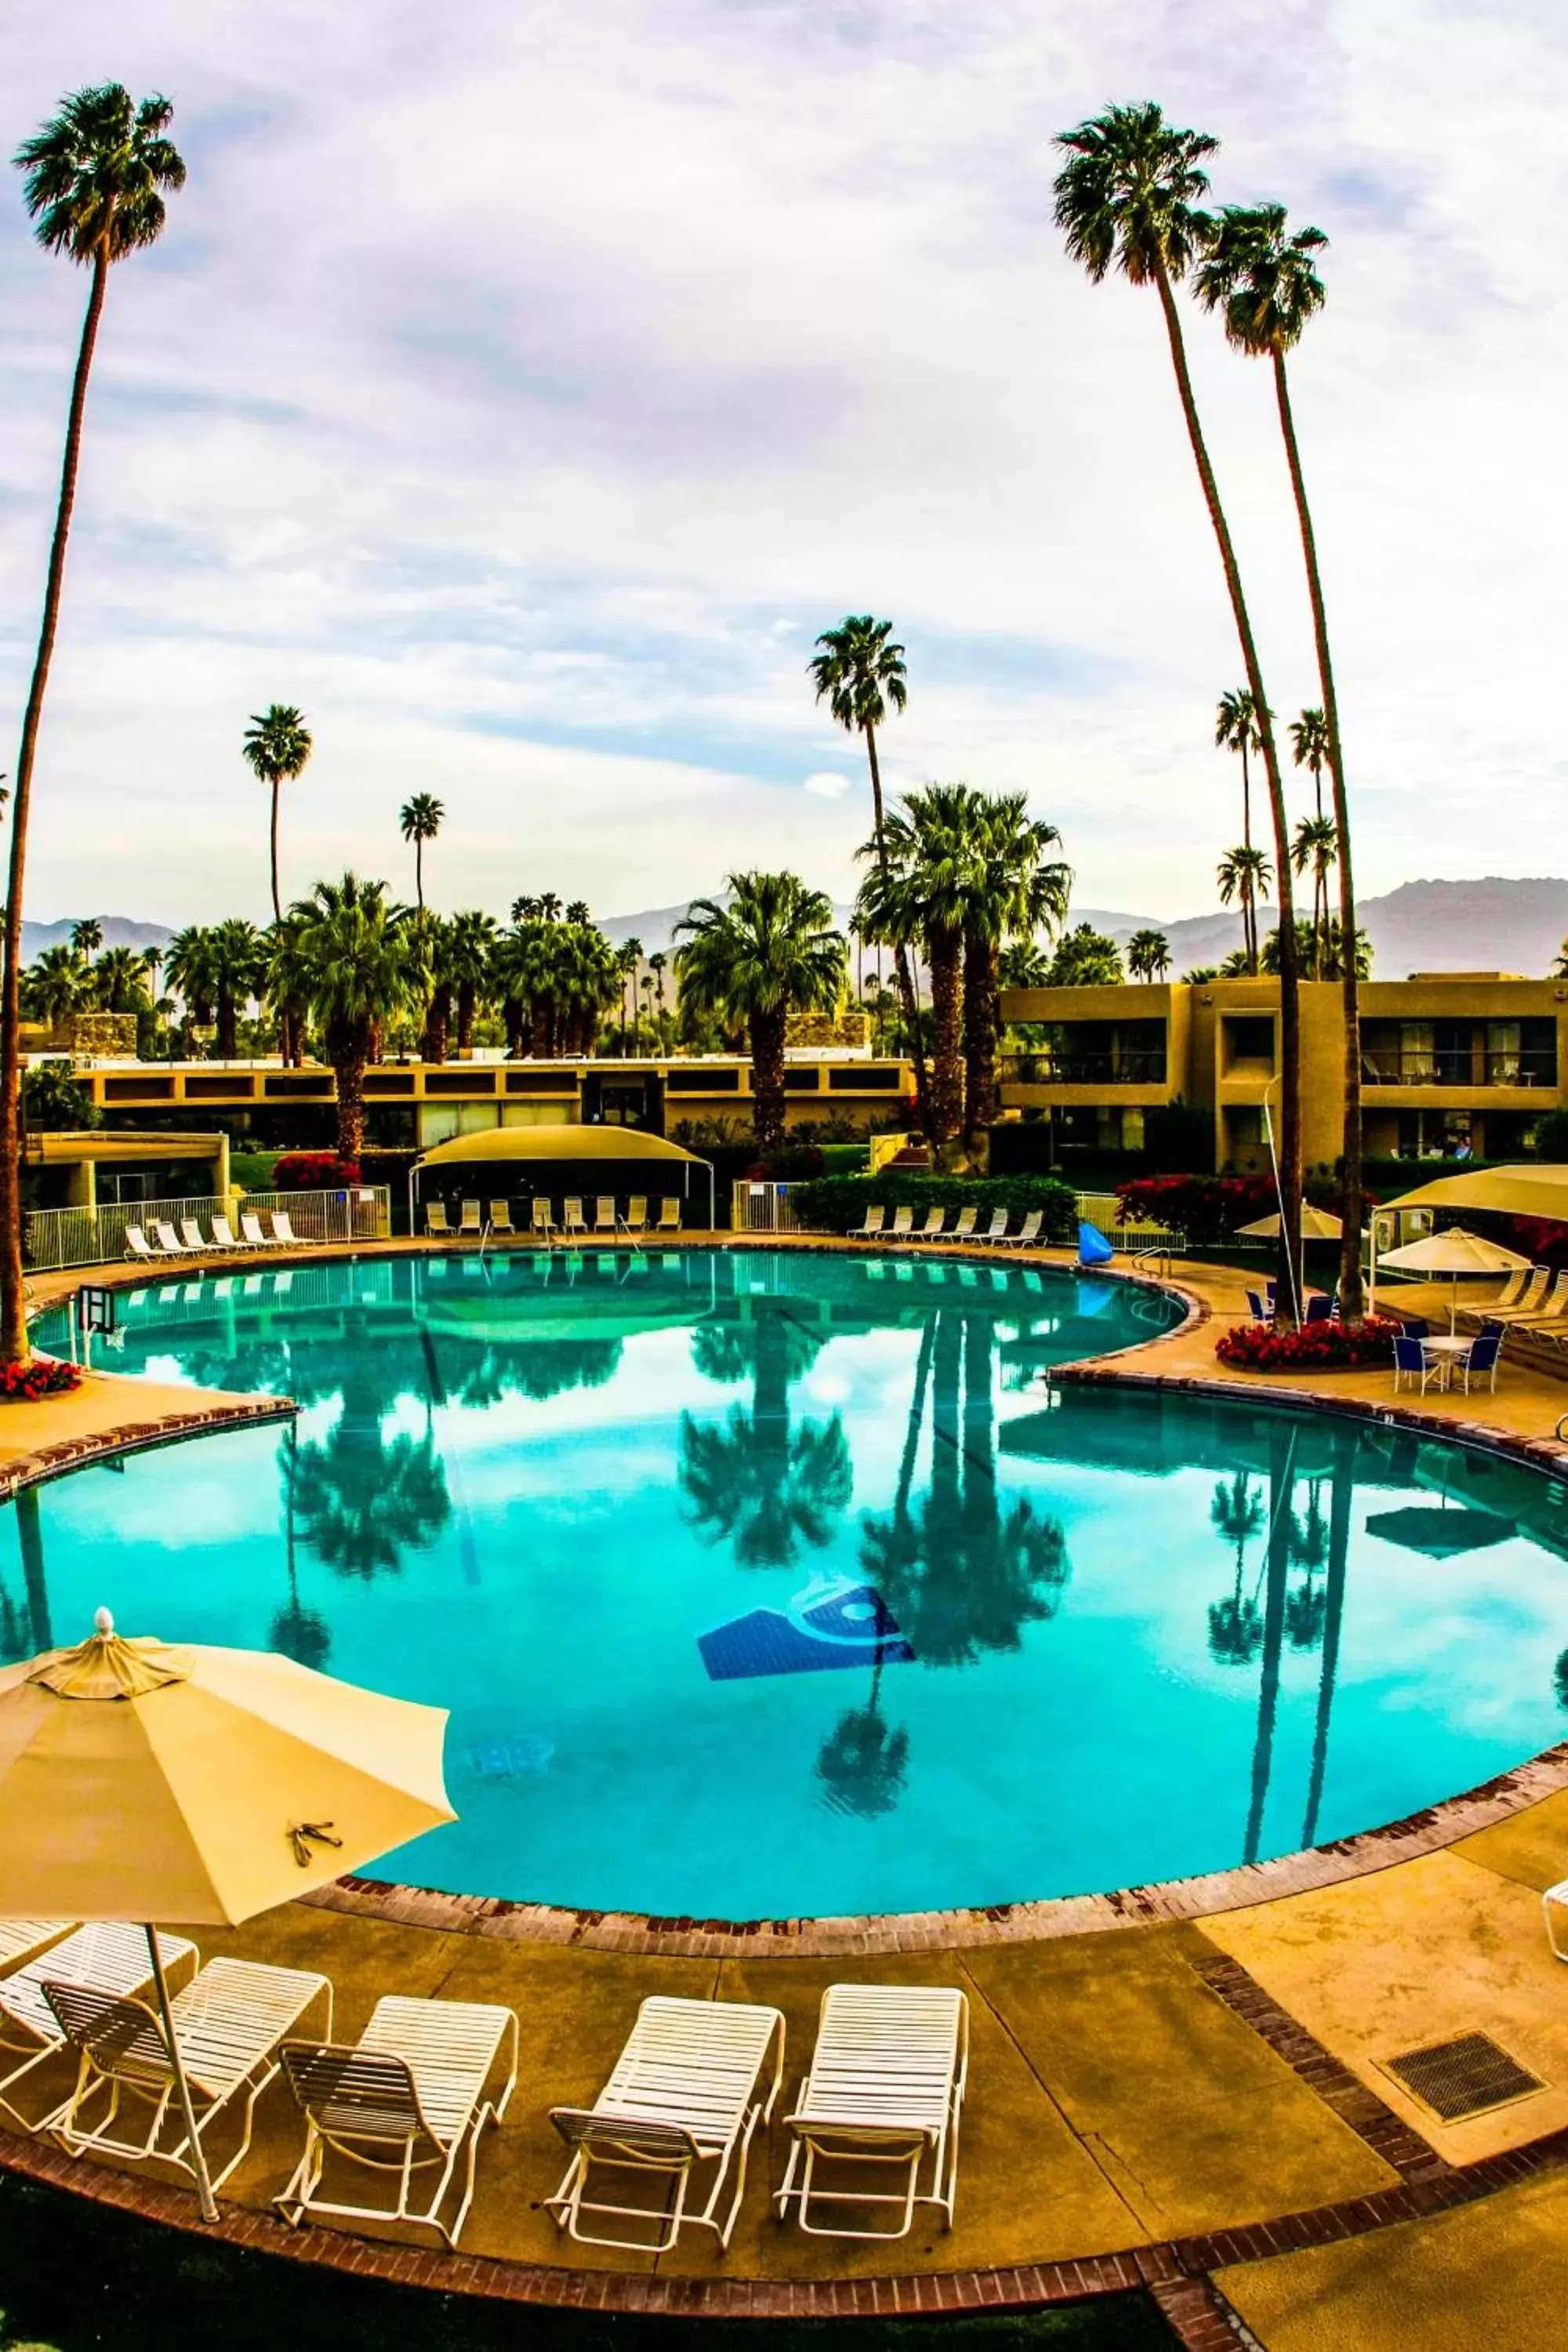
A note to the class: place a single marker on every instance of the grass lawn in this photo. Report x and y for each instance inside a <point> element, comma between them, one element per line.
<point>75,2275</point>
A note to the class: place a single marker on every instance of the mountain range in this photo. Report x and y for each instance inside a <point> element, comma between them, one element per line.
<point>1500,924</point>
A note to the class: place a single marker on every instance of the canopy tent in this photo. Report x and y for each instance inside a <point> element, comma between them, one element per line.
<point>549,1163</point>
<point>1531,1188</point>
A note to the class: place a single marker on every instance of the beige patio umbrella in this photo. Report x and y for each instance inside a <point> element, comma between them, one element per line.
<point>1455,1253</point>
<point>1317,1225</point>
<point>198,1785</point>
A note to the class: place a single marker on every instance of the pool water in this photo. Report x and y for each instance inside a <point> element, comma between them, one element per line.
<point>767,1584</point>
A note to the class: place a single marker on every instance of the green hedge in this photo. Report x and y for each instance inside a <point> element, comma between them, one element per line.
<point>833,1203</point>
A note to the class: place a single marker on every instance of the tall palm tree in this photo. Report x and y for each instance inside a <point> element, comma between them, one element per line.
<point>769,951</point>
<point>577,912</point>
<point>1236,728</point>
<point>1017,890</point>
<point>1314,850</point>
<point>1129,193</point>
<point>54,987</point>
<point>351,955</point>
<point>1148,955</point>
<point>628,955</point>
<point>1245,874</point>
<point>919,887</point>
<point>192,971</point>
<point>1309,749</point>
<point>276,745</point>
<point>658,965</point>
<point>286,985</point>
<point>119,982</point>
<point>859,671</point>
<point>94,180</point>
<point>1264,278</point>
<point>87,937</point>
<point>419,820</point>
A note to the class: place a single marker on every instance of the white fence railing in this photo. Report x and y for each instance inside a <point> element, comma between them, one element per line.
<point>53,1238</point>
<point>757,1208</point>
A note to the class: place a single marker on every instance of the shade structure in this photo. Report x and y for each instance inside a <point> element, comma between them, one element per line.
<point>1522,1189</point>
<point>550,1160</point>
<point>1440,1534</point>
<point>1317,1225</point>
<point>1455,1253</point>
<point>202,1785</point>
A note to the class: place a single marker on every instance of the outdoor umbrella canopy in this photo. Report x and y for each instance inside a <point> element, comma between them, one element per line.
<point>201,1785</point>
<point>1317,1225</point>
<point>1455,1253</point>
<point>1440,1534</point>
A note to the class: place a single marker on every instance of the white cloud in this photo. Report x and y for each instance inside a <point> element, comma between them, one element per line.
<point>520,391</point>
<point>827,786</point>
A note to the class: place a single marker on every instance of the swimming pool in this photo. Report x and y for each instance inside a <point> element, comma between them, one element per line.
<point>768,1584</point>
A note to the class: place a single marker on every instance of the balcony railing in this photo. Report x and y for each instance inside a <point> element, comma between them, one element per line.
<point>1046,1069</point>
<point>1457,1066</point>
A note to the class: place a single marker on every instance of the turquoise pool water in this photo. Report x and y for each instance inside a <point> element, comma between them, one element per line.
<point>764,1584</point>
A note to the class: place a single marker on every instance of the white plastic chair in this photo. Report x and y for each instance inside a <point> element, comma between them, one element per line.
<point>885,2090</point>
<point>635,1222</point>
<point>1027,1233</point>
<point>872,1224</point>
<point>902,1226</point>
<point>573,1224</point>
<point>191,1235</point>
<point>436,1218</point>
<point>500,1218</point>
<point>229,2021</point>
<point>223,1235</point>
<point>166,1242</point>
<point>684,2092</point>
<point>137,1244</point>
<point>931,1229</point>
<point>283,1231</point>
<point>541,1221</point>
<point>107,1954</point>
<point>250,1226</point>
<point>996,1231</point>
<point>964,1229</point>
<point>469,1220</point>
<point>410,2094</point>
<point>668,1216</point>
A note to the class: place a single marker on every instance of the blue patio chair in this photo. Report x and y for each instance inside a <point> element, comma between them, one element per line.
<point>1322,1308</point>
<point>1257,1309</point>
<point>1481,1361</point>
<point>1411,1363</point>
<point>1416,1327</point>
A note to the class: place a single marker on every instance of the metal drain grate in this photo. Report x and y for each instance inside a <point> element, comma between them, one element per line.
<point>1467,2076</point>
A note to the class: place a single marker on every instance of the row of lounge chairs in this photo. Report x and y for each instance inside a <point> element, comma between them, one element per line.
<point>609,1220</point>
<point>190,1241</point>
<point>1534,1301</point>
<point>965,1228</point>
<point>412,2096</point>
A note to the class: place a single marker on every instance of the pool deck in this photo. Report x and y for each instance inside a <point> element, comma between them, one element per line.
<point>1183,2093</point>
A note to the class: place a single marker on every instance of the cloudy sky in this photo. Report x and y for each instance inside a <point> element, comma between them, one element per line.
<point>520,387</point>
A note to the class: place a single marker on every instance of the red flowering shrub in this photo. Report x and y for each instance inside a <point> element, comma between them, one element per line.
<point>1316,1348</point>
<point>44,1375</point>
<point>313,1171</point>
<point>1211,1208</point>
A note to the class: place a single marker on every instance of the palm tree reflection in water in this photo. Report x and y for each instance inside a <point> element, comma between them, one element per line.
<point>302,1633</point>
<point>362,1498</point>
<point>1236,1627</point>
<point>769,1487</point>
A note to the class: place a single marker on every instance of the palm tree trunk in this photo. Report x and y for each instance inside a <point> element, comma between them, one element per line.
<point>1246,793</point>
<point>1281,1487</point>
<point>227,1028</point>
<point>1351,1302</point>
<point>767,1038</point>
<point>277,910</point>
<point>468,1002</point>
<point>908,1000</point>
<point>1290,1264</point>
<point>348,1062</point>
<point>14,1348</point>
<point>943,949</point>
<point>980,995</point>
<point>419,876</point>
<point>1345,1445</point>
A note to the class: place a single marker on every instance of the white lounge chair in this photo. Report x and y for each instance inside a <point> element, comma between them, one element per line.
<point>283,1231</point>
<point>931,1231</point>
<point>684,2092</point>
<point>1027,1233</point>
<point>668,1216</point>
<point>223,1235</point>
<point>1546,1317</point>
<point>436,1218</point>
<point>411,2094</point>
<point>885,2089</point>
<point>870,1226</point>
<point>1530,1300</point>
<point>21,1938</point>
<point>137,1244</point>
<point>250,1227</point>
<point>468,1221</point>
<point>230,2021</point>
<point>107,1954</point>
<point>191,1235</point>
<point>573,1223</point>
<point>605,1220</point>
<point>964,1229</point>
<point>902,1226</point>
<point>996,1231</point>
<point>541,1221</point>
<point>500,1218</point>
<point>166,1242</point>
<point>635,1222</point>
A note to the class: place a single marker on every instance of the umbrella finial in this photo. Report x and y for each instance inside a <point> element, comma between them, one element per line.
<point>103,1623</point>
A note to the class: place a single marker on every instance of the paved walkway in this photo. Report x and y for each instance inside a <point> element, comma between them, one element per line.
<point>1167,2103</point>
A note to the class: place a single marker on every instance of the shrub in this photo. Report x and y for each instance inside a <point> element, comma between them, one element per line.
<point>52,1097</point>
<point>792,1163</point>
<point>833,1203</point>
<point>1316,1348</point>
<point>44,1375</point>
<point>312,1172</point>
<point>1211,1208</point>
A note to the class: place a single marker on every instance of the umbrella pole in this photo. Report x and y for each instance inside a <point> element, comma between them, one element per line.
<point>198,2158</point>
